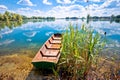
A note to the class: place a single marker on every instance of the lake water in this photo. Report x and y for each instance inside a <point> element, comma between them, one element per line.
<point>31,35</point>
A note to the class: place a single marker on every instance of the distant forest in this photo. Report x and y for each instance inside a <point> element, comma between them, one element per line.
<point>96,18</point>
<point>111,18</point>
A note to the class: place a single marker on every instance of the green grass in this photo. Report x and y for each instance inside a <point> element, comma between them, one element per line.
<point>80,48</point>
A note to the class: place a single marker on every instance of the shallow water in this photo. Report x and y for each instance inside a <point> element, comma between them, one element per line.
<point>24,41</point>
<point>31,35</point>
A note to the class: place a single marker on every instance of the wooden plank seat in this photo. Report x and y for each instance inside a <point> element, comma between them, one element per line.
<point>58,35</point>
<point>39,58</point>
<point>50,53</point>
<point>51,41</point>
<point>56,38</point>
<point>52,46</point>
<point>45,52</point>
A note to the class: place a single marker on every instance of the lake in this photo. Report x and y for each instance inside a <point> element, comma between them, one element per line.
<point>30,36</point>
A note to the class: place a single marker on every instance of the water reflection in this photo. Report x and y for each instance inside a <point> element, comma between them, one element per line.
<point>49,33</point>
<point>29,34</point>
<point>10,24</point>
<point>26,35</point>
<point>6,42</point>
<point>38,20</point>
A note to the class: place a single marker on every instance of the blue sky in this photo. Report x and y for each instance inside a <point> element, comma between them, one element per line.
<point>61,8</point>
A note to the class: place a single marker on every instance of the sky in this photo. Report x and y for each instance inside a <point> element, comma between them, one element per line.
<point>61,8</point>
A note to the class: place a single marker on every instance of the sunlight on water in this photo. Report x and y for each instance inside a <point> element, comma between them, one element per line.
<point>32,35</point>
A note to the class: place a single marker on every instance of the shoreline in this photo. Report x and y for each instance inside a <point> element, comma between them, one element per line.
<point>19,67</point>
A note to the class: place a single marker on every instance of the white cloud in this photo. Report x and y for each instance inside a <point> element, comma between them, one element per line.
<point>93,7</point>
<point>106,3</point>
<point>70,11</point>
<point>46,2</point>
<point>112,3</point>
<point>58,11</point>
<point>95,0</point>
<point>106,9</point>
<point>26,2</point>
<point>103,11</point>
<point>24,9</point>
<point>98,7</point>
<point>118,4</point>
<point>59,1</point>
<point>76,10</point>
<point>27,12</point>
<point>85,0</point>
<point>3,7</point>
<point>66,1</point>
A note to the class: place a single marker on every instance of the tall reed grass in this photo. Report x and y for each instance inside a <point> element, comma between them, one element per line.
<point>80,48</point>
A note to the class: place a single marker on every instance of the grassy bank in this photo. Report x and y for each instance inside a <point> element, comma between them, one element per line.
<point>80,53</point>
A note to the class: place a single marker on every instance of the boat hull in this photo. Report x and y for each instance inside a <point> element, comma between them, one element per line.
<point>48,55</point>
<point>44,65</point>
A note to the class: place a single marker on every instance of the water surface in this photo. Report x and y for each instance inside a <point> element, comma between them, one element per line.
<point>31,35</point>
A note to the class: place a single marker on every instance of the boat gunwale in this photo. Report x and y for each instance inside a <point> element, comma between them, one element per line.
<point>57,57</point>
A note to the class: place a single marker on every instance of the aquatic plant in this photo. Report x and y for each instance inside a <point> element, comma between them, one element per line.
<point>80,48</point>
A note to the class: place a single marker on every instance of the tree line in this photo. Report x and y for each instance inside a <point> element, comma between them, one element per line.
<point>112,17</point>
<point>8,16</point>
<point>38,17</point>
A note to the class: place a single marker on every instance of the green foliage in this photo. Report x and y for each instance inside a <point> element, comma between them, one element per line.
<point>10,20</point>
<point>7,16</point>
<point>79,51</point>
<point>10,24</point>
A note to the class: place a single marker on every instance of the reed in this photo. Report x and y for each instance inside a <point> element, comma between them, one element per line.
<point>80,47</point>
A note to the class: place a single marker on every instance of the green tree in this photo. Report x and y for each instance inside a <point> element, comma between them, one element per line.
<point>1,16</point>
<point>12,17</point>
<point>19,18</point>
<point>5,18</point>
<point>8,14</point>
<point>117,19</point>
<point>88,18</point>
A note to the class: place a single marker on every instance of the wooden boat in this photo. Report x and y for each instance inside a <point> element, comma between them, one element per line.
<point>48,55</point>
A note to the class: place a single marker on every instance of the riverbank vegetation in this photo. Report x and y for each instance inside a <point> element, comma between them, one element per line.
<point>10,20</point>
<point>7,17</point>
<point>79,53</point>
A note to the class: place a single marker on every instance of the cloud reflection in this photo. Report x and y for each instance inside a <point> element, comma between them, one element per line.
<point>30,34</point>
<point>48,33</point>
<point>29,40</point>
<point>0,36</point>
<point>105,26</point>
<point>6,42</point>
<point>5,31</point>
<point>56,25</point>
